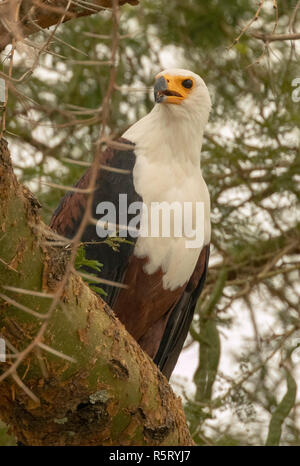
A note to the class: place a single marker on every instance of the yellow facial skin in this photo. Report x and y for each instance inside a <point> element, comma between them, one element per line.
<point>175,86</point>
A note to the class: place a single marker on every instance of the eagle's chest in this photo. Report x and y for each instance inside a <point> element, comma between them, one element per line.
<point>157,181</point>
<point>171,193</point>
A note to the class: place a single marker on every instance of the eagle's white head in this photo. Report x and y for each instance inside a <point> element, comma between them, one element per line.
<point>182,92</point>
<point>175,126</point>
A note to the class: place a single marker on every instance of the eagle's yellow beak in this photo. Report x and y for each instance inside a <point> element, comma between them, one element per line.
<point>172,89</point>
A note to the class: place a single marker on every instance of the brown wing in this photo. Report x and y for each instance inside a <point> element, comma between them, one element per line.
<point>67,217</point>
<point>159,319</point>
<point>144,302</point>
<point>68,214</point>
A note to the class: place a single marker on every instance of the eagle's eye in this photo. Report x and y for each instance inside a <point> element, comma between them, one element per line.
<point>187,83</point>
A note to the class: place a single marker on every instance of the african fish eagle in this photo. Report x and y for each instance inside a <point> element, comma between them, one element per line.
<point>163,277</point>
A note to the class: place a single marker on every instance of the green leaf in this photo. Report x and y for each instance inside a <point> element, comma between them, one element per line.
<point>98,290</point>
<point>82,261</point>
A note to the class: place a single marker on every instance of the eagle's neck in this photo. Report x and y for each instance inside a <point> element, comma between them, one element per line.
<point>170,133</point>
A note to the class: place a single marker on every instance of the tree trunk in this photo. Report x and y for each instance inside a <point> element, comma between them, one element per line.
<point>112,394</point>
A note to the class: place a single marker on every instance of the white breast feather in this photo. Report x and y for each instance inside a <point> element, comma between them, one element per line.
<point>168,146</point>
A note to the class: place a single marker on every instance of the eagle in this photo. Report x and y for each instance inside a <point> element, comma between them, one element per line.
<point>157,160</point>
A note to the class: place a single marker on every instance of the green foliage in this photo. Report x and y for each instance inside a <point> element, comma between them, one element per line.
<point>81,262</point>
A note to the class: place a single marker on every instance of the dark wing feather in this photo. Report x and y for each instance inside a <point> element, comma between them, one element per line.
<point>67,217</point>
<point>180,318</point>
<point>144,302</point>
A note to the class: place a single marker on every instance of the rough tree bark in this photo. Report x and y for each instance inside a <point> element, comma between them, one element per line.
<point>113,394</point>
<point>19,18</point>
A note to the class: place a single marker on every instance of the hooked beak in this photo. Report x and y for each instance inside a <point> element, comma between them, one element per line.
<point>163,93</point>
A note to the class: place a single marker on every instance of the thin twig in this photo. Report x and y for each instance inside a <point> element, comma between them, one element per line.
<point>275,37</point>
<point>57,353</point>
<point>22,307</point>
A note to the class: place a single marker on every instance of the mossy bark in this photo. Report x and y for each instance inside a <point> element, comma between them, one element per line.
<point>113,394</point>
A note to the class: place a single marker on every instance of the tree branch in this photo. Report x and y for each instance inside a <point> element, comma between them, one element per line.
<point>274,37</point>
<point>21,20</point>
<point>73,376</point>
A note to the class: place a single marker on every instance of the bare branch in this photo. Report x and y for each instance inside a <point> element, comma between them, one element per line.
<point>275,37</point>
<point>45,14</point>
<point>54,351</point>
